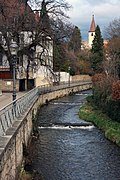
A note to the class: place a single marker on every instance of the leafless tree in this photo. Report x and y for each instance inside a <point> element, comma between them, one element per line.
<point>113,30</point>
<point>34,17</point>
<point>113,56</point>
<point>112,50</point>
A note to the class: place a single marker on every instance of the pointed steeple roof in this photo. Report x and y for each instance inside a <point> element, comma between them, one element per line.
<point>93,26</point>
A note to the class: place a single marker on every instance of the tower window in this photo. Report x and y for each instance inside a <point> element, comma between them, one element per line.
<point>91,34</point>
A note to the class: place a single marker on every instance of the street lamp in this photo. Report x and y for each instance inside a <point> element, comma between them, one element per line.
<point>14,49</point>
<point>69,75</point>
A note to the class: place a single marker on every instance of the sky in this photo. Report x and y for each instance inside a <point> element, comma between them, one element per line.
<point>105,11</point>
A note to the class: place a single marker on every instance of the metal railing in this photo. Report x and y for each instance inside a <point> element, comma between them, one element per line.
<point>17,108</point>
<point>14,110</point>
<point>48,88</point>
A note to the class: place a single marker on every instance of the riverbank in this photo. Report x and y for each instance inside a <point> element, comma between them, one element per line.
<point>111,128</point>
<point>55,152</point>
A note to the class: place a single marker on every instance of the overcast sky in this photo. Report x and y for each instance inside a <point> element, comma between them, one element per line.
<point>104,11</point>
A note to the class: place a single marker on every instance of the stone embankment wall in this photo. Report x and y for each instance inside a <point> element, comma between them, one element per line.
<point>16,138</point>
<point>81,78</point>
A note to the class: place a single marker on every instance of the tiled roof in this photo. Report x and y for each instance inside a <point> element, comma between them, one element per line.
<point>93,26</point>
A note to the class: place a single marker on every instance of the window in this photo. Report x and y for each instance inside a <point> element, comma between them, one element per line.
<point>20,60</point>
<point>0,38</point>
<point>21,39</point>
<point>1,56</point>
<point>91,34</point>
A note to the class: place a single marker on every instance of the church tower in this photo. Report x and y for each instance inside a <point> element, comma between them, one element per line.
<point>91,32</point>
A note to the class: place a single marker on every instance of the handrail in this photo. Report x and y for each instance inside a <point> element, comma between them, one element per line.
<point>11,112</point>
<point>14,110</point>
<point>47,88</point>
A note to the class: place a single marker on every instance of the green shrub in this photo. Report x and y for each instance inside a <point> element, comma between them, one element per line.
<point>111,128</point>
<point>113,110</point>
<point>113,135</point>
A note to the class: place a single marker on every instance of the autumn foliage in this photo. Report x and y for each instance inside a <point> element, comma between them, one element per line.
<point>106,95</point>
<point>116,90</point>
<point>98,77</point>
<point>106,86</point>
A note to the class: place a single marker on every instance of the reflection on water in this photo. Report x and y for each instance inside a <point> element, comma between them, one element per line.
<point>72,152</point>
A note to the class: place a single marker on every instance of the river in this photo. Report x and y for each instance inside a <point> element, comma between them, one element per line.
<point>69,148</point>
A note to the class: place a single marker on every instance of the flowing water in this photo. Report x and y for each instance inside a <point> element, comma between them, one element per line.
<point>71,149</point>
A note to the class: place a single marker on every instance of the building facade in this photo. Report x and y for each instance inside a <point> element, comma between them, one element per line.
<point>34,65</point>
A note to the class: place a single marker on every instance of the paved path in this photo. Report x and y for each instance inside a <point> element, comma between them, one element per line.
<point>6,98</point>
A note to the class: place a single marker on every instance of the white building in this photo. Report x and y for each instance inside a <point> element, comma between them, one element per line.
<point>91,33</point>
<point>40,68</point>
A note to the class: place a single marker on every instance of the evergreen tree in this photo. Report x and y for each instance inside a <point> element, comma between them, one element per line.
<point>97,51</point>
<point>59,56</point>
<point>75,41</point>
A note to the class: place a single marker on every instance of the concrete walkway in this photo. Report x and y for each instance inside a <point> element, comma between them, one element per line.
<point>6,98</point>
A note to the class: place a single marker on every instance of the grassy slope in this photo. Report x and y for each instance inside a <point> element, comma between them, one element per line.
<point>110,127</point>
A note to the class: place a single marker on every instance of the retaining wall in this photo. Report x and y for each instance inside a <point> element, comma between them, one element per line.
<point>11,145</point>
